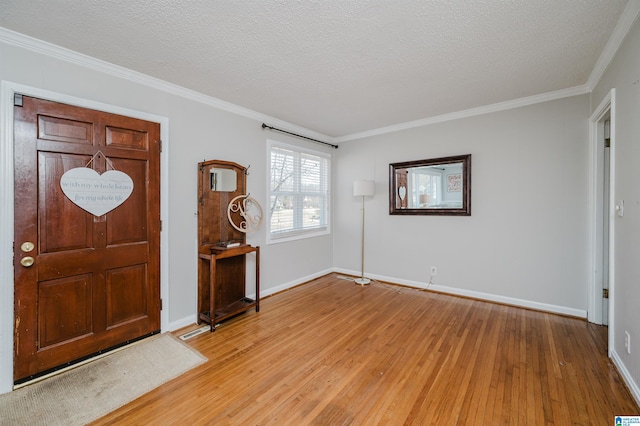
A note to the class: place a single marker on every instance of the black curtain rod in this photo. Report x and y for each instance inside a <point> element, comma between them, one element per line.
<point>264,126</point>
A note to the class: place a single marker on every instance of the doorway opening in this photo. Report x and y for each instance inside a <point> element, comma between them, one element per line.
<point>602,184</point>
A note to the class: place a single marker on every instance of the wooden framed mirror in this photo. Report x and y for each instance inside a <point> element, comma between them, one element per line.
<point>436,186</point>
<point>218,183</point>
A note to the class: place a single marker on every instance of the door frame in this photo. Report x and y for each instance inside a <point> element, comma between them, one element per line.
<point>7,91</point>
<point>595,311</point>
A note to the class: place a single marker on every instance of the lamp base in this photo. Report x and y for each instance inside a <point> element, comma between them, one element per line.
<point>362,281</point>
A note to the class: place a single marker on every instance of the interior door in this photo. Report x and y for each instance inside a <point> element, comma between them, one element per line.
<point>83,283</point>
<point>606,208</point>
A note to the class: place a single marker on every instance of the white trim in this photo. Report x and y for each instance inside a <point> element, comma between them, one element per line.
<point>529,304</point>
<point>192,319</point>
<point>286,286</point>
<point>595,181</point>
<point>6,241</point>
<point>49,49</point>
<point>299,234</point>
<point>612,224</point>
<point>45,48</point>
<point>183,322</point>
<point>626,375</point>
<point>487,109</point>
<point>7,90</point>
<point>608,104</point>
<point>628,17</point>
<point>61,53</point>
<point>42,47</point>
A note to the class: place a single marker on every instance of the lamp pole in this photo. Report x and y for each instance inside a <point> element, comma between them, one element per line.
<point>362,280</point>
<point>363,188</point>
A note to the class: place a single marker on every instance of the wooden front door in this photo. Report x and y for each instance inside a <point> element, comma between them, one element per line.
<point>94,281</point>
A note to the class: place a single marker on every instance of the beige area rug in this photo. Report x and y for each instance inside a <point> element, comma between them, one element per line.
<point>88,392</point>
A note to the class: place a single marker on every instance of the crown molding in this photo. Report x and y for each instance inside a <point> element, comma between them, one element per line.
<point>626,21</point>
<point>57,52</point>
<point>628,17</point>
<point>487,109</point>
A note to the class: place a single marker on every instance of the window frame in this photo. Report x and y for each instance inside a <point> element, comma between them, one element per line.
<point>299,233</point>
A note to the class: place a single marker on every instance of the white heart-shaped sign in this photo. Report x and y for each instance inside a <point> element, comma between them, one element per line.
<point>402,192</point>
<point>95,193</point>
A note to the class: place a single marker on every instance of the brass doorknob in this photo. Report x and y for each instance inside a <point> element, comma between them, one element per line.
<point>27,261</point>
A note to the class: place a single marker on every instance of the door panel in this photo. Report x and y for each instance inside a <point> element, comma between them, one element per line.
<point>94,283</point>
<point>64,130</point>
<point>126,138</point>
<point>57,212</point>
<point>126,294</point>
<point>64,309</point>
<point>130,225</point>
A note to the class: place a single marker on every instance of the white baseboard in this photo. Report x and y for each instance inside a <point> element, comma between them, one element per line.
<point>624,372</point>
<point>184,322</point>
<point>626,376</point>
<point>282,287</point>
<point>563,310</point>
<point>193,319</point>
<point>617,361</point>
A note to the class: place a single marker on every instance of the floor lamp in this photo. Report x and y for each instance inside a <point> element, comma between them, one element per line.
<point>363,188</point>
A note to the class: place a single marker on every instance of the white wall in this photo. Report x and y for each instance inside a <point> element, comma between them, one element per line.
<point>526,239</point>
<point>197,131</point>
<point>623,75</point>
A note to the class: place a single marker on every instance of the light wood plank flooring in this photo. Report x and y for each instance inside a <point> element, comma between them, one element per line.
<point>334,353</point>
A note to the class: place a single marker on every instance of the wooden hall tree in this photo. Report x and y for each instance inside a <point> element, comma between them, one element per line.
<point>222,247</point>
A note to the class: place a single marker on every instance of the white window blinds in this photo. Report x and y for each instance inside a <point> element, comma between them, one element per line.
<point>299,182</point>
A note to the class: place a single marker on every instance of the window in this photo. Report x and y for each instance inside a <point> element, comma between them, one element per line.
<point>426,187</point>
<point>298,192</point>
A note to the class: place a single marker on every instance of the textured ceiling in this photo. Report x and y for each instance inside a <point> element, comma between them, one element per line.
<point>337,67</point>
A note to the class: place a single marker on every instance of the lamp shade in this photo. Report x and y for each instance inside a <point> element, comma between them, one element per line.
<point>364,188</point>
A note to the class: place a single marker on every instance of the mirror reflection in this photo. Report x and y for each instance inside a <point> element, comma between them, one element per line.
<point>433,186</point>
<point>222,179</point>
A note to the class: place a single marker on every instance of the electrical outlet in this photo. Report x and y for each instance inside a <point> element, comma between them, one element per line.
<point>434,271</point>
<point>627,342</point>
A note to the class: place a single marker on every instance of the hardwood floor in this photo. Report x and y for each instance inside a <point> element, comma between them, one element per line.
<point>334,353</point>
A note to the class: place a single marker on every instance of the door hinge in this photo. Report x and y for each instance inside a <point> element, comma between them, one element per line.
<point>160,226</point>
<point>160,144</point>
<point>160,304</point>
<point>605,293</point>
<point>607,143</point>
<point>17,99</point>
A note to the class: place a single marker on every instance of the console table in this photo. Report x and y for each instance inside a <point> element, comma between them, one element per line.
<point>225,283</point>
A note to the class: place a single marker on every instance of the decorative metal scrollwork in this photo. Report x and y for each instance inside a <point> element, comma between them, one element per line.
<point>245,213</point>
